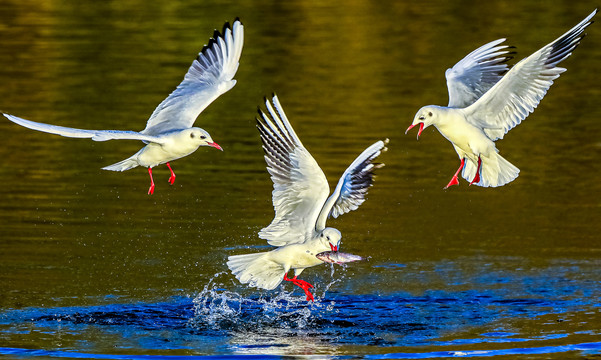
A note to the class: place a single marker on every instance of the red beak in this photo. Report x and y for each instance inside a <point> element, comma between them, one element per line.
<point>334,248</point>
<point>215,145</point>
<point>421,128</point>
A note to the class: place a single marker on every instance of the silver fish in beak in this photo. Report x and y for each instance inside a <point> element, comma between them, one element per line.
<point>337,257</point>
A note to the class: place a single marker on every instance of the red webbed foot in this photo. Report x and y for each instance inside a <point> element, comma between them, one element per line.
<point>454,179</point>
<point>477,177</point>
<point>303,285</point>
<point>151,189</point>
<point>172,177</point>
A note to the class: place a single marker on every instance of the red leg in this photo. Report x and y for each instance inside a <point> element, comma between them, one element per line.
<point>302,284</point>
<point>172,177</point>
<point>454,180</point>
<point>477,177</point>
<point>151,189</point>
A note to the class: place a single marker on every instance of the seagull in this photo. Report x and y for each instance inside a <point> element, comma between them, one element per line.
<point>169,133</point>
<point>486,100</point>
<point>301,203</point>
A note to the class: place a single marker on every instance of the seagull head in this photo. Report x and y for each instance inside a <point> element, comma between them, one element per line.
<point>424,118</point>
<point>202,138</point>
<point>330,238</point>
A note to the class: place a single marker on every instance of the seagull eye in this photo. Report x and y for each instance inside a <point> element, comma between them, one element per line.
<point>422,117</point>
<point>327,237</point>
<point>203,137</point>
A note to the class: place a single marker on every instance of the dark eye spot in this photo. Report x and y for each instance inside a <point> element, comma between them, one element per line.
<point>327,237</point>
<point>430,113</point>
<point>192,135</point>
<point>422,117</point>
<point>203,137</point>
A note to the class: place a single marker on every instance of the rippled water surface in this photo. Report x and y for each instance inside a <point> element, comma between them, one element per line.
<point>93,267</point>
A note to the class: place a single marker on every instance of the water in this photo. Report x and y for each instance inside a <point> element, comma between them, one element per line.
<point>91,266</point>
<point>399,325</point>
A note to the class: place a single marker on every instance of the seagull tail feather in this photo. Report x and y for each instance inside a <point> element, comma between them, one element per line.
<point>129,163</point>
<point>257,270</point>
<point>495,171</point>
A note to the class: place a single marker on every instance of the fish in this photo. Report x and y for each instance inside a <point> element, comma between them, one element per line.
<point>337,257</point>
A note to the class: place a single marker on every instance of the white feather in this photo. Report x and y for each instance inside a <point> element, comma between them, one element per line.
<point>476,73</point>
<point>209,76</point>
<point>299,185</point>
<point>518,93</point>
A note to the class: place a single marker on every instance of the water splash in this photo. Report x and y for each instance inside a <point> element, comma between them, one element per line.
<point>217,308</point>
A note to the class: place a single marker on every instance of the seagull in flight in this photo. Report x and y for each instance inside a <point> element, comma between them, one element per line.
<point>302,205</point>
<point>486,100</point>
<point>169,132</point>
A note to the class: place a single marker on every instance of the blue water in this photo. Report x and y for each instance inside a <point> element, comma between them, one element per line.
<point>221,323</point>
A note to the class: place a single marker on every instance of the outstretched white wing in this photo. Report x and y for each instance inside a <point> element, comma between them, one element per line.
<point>300,187</point>
<point>209,76</point>
<point>471,77</point>
<point>353,185</point>
<point>516,95</point>
<point>96,135</point>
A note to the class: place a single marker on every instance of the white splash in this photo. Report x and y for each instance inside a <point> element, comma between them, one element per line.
<point>217,308</point>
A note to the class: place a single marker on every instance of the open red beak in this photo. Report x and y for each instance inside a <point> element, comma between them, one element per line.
<point>334,248</point>
<point>421,128</point>
<point>215,145</point>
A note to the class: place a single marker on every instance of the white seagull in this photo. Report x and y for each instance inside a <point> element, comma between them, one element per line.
<point>169,134</point>
<point>301,203</point>
<point>486,101</point>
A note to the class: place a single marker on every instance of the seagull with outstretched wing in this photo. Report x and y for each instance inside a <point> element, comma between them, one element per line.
<point>486,100</point>
<point>302,203</point>
<point>169,133</point>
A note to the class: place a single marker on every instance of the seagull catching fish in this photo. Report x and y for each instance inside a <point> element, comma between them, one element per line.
<point>169,133</point>
<point>301,203</point>
<point>486,101</point>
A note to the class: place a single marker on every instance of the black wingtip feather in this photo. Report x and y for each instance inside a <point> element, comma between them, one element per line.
<point>216,35</point>
<point>208,46</point>
<point>226,26</point>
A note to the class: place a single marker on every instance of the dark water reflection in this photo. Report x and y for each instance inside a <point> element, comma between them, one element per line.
<point>73,235</point>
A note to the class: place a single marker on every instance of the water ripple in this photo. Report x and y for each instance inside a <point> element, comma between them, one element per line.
<point>226,322</point>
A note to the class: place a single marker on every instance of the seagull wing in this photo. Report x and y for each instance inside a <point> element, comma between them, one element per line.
<point>209,76</point>
<point>300,187</point>
<point>353,185</point>
<point>516,95</point>
<point>96,135</point>
<point>471,77</point>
